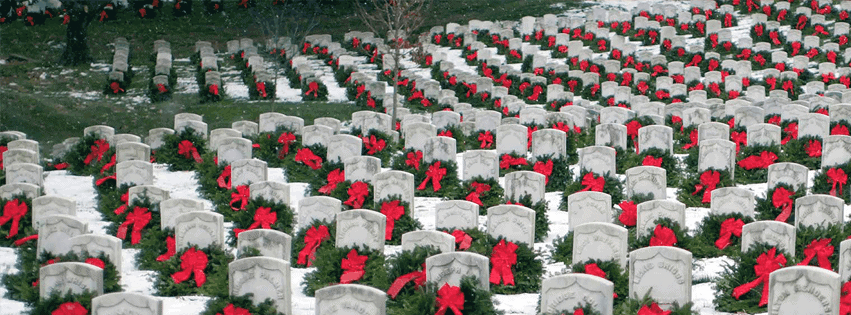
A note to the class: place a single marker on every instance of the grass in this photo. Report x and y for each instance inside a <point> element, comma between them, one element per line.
<point>36,92</point>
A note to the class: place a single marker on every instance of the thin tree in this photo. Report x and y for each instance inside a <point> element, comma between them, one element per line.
<point>292,19</point>
<point>397,19</point>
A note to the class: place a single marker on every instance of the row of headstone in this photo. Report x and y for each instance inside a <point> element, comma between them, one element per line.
<point>162,67</point>
<point>120,68</point>
<point>211,83</point>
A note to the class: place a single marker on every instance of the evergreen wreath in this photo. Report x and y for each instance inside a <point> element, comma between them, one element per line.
<point>329,269</point>
<point>314,91</point>
<point>586,309</point>
<point>741,271</point>
<point>806,235</point>
<point>478,240</point>
<point>82,151</point>
<point>488,137</point>
<point>24,224</point>
<point>756,175</point>
<point>670,163</point>
<point>563,249</point>
<point>684,240</point>
<point>406,222</point>
<point>152,225</point>
<point>217,305</point>
<point>56,300</point>
<point>478,190</point>
<point>686,194</point>
<point>542,224</point>
<point>402,264</point>
<point>169,154</point>
<point>320,176</point>
<point>450,185</point>
<point>298,171</point>
<point>245,219</point>
<point>216,271</point>
<point>477,301</point>
<point>342,193</point>
<point>151,248</point>
<point>709,231</point>
<point>559,177</point>
<point>208,174</point>
<point>823,184</point>
<point>527,271</point>
<point>510,162</point>
<point>765,209</point>
<point>299,241</point>
<point>614,273</point>
<point>275,148</point>
<point>385,146</point>
<point>613,187</point>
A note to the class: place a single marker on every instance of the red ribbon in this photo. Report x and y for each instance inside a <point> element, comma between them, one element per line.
<point>780,199</point>
<point>188,150</point>
<point>263,218</point>
<point>836,176</point>
<point>26,239</point>
<point>653,309</point>
<point>162,89</point>
<point>139,218</point>
<point>695,61</point>
<point>813,148</point>
<point>545,169</point>
<point>802,22</point>
<point>503,258</point>
<point>414,159</point>
<point>353,266</point>
<point>97,150</point>
<point>393,211</point>
<point>663,236</point>
<point>729,227</point>
<point>192,262</point>
<point>819,249</point>
<point>171,249</point>
<point>536,92</point>
<point>233,310</point>
<point>241,196</point>
<point>628,214</point>
<point>462,240</point>
<point>435,173</point>
<point>70,308</point>
<point>13,210</point>
<point>96,262</point>
<point>739,138</point>
<point>652,161</point>
<point>373,144</point>
<point>845,299</point>
<point>791,131</point>
<point>312,239</point>
<point>708,180</point>
<point>286,139</point>
<point>116,88</point>
<point>485,139</point>
<point>592,183</point>
<point>449,298</point>
<point>306,156</point>
<point>224,179</point>
<point>761,161</point>
<point>334,177</point>
<point>312,87</point>
<point>478,190</point>
<point>839,130</point>
<point>124,200</point>
<point>418,277</point>
<point>765,264</point>
<point>357,194</point>
<point>445,133</point>
<point>507,161</point>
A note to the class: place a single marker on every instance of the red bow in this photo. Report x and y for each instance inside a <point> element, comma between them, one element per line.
<point>642,87</point>
<point>139,218</point>
<point>357,194</point>
<point>414,159</point>
<point>729,227</point>
<point>116,88</point>
<point>759,59</point>
<point>802,22</point>
<point>536,92</point>
<point>334,177</point>
<point>544,168</point>
<point>241,195</point>
<point>312,87</point>
<point>445,133</point>
<point>791,131</point>
<point>836,176</point>
<point>739,138</point>
<point>478,190</point>
<point>96,262</point>
<point>233,310</point>
<point>171,249</point>
<point>353,266</point>
<point>765,264</point>
<point>285,139</point>
<point>97,150</point>
<point>263,217</point>
<point>192,262</point>
<point>845,300</point>
<point>70,308</point>
<point>594,270</point>
<point>780,199</point>
<point>663,236</point>
<point>360,89</point>
<point>708,180</point>
<point>761,161</point>
<point>462,239</point>
<point>449,298</point>
<point>485,140</point>
<point>502,259</point>
<point>393,211</point>
<point>435,173</point>
<point>162,89</point>
<point>653,309</point>
<point>224,179</point>
<point>515,54</point>
<point>628,213</point>
<point>312,239</point>
<point>188,150</point>
<point>214,89</point>
<point>652,161</point>
<point>593,183</point>
<point>418,277</point>
<point>839,130</point>
<point>695,61</point>
<point>306,156</point>
<point>124,199</point>
<point>789,87</point>
<point>813,148</point>
<point>373,144</point>
<point>745,55</point>
<point>632,130</point>
<point>819,249</point>
<point>13,211</point>
<point>812,53</point>
<point>507,161</point>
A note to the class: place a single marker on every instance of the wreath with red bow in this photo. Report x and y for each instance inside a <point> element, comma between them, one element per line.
<point>719,235</point>
<point>402,217</point>
<point>664,232</point>
<point>347,265</point>
<point>588,181</point>
<point>88,156</point>
<point>194,271</point>
<point>238,305</point>
<point>407,274</point>
<point>753,161</point>
<point>695,186</point>
<point>741,272</point>
<point>804,150</point>
<point>779,203</point>
<point>430,299</point>
<point>651,157</point>
<point>317,235</point>
<point>261,214</point>
<point>819,246</point>
<point>609,270</point>
<point>276,147</point>
<point>833,181</point>
<point>484,192</point>
<point>178,150</point>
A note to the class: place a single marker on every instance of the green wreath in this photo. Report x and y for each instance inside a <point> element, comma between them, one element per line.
<point>765,209</point>
<point>527,271</point>
<point>216,284</point>
<point>560,177</point>
<point>119,219</point>
<point>741,271</point>
<point>385,154</point>
<point>757,175</point>
<point>329,269</point>
<point>268,149</point>
<point>450,185</point>
<point>692,179</point>
<point>613,187</point>
<point>614,273</point>
<point>168,152</point>
<point>406,223</point>
<point>488,198</point>
<point>404,263</point>
<point>76,156</point>
<point>477,301</point>
<point>709,230</point>
<point>684,241</point>
<point>245,218</point>
<point>805,235</point>
<point>298,241</point>
<point>823,185</point>
<point>670,163</point>
<point>563,249</point>
<point>25,224</point>
<point>298,172</point>
<point>55,300</point>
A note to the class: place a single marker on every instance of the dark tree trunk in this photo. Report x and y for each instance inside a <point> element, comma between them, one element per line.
<point>76,36</point>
